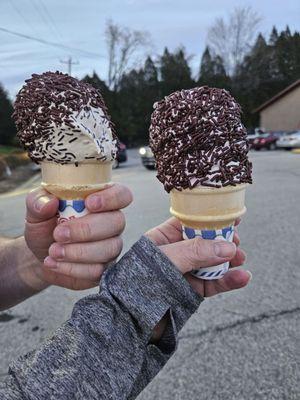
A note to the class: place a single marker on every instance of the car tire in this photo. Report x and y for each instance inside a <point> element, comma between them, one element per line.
<point>150,167</point>
<point>272,146</point>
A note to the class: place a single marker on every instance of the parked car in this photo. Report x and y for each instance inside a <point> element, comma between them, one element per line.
<point>290,141</point>
<point>254,134</point>
<point>279,134</point>
<point>121,155</point>
<point>265,141</point>
<point>147,157</point>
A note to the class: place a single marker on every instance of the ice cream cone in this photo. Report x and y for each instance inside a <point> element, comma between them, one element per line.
<point>209,213</point>
<point>71,184</point>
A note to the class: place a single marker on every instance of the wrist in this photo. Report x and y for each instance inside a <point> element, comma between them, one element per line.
<point>159,329</point>
<point>18,273</point>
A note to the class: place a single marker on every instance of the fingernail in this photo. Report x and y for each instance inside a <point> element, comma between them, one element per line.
<point>40,202</point>
<point>95,202</point>
<point>58,251</point>
<point>224,249</point>
<point>62,233</point>
<point>50,263</point>
<point>250,275</point>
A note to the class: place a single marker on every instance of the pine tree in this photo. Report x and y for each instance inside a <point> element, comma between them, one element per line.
<point>7,127</point>
<point>212,71</point>
<point>150,72</point>
<point>95,81</point>
<point>206,66</point>
<point>175,72</point>
<point>139,89</point>
<point>273,37</point>
<point>288,56</point>
<point>252,81</point>
<point>268,69</point>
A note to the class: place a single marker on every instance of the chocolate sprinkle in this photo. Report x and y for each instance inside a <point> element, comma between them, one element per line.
<point>46,102</point>
<point>197,138</point>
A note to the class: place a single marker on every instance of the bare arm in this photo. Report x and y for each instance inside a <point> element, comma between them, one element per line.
<point>23,272</point>
<point>18,279</point>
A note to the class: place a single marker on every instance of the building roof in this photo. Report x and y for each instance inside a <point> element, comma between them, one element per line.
<point>278,96</point>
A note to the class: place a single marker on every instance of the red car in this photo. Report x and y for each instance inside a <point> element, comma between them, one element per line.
<point>265,141</point>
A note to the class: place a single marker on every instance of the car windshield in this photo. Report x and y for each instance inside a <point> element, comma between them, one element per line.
<point>295,133</point>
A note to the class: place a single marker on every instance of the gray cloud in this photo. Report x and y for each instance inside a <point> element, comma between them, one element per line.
<point>170,23</point>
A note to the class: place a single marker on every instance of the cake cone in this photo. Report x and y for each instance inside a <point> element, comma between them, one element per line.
<point>209,213</point>
<point>71,184</point>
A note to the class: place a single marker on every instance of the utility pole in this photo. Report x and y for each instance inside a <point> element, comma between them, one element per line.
<point>69,62</point>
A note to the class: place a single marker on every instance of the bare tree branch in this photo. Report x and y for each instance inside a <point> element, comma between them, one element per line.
<point>124,47</point>
<point>233,39</point>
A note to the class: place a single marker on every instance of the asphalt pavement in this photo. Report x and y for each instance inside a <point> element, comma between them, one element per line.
<point>241,345</point>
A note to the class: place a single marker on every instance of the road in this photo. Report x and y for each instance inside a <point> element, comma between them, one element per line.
<point>240,345</point>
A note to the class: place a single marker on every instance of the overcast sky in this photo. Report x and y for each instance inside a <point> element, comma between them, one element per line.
<point>81,24</point>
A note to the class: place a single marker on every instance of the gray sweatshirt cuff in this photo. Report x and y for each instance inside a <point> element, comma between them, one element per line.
<point>150,285</point>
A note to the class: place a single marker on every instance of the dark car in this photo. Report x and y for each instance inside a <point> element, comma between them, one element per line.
<point>121,155</point>
<point>122,152</point>
<point>265,141</point>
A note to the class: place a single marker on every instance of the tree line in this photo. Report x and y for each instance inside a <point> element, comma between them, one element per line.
<point>270,65</point>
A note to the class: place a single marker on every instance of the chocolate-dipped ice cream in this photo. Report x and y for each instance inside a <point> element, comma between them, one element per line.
<point>198,139</point>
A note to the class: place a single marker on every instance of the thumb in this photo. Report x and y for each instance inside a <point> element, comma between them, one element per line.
<point>197,253</point>
<point>41,206</point>
<point>40,221</point>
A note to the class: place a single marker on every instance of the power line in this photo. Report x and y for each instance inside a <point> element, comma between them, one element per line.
<point>36,6</point>
<point>69,62</point>
<point>54,44</point>
<point>27,22</point>
<point>52,21</point>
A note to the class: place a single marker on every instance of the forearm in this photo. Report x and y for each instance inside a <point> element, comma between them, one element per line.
<point>18,279</point>
<point>104,350</point>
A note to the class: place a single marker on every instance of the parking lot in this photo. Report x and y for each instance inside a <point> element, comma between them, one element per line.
<point>242,345</point>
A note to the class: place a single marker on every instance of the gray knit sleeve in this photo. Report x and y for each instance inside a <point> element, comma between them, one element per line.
<point>103,351</point>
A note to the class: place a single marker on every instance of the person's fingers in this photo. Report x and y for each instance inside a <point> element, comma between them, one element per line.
<point>90,228</point>
<point>236,239</point>
<point>68,282</point>
<point>197,253</point>
<point>169,231</point>
<point>237,221</point>
<point>41,206</point>
<point>239,258</point>
<point>89,272</point>
<point>87,253</point>
<point>40,221</point>
<point>114,197</point>
<point>234,279</point>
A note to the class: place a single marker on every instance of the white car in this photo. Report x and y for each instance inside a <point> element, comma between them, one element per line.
<point>290,141</point>
<point>147,157</point>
